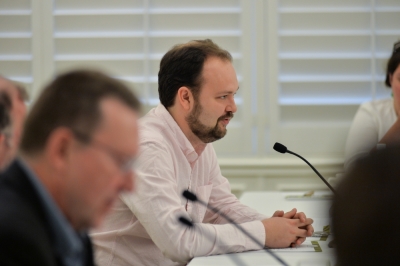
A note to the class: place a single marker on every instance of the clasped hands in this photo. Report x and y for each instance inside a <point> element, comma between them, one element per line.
<point>288,229</point>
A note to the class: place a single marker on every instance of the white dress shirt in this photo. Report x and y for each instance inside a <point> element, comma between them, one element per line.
<point>143,228</point>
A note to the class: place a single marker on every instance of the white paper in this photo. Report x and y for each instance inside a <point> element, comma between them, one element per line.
<point>307,246</point>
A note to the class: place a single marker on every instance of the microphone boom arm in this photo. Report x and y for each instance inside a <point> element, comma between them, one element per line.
<point>190,196</point>
<point>315,170</point>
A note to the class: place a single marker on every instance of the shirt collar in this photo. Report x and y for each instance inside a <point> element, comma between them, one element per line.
<point>67,242</point>
<point>184,143</point>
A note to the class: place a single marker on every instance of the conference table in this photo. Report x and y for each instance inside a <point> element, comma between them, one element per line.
<point>316,206</point>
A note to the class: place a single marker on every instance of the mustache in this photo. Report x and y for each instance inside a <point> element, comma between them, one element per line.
<point>227,115</point>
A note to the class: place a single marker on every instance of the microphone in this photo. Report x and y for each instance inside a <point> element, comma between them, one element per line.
<point>282,149</point>
<point>192,197</point>
<point>185,221</point>
<point>238,261</point>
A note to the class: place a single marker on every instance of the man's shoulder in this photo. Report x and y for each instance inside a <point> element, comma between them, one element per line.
<point>154,128</point>
<point>19,203</point>
<point>151,122</point>
<point>18,218</point>
<point>22,221</point>
<point>24,236</point>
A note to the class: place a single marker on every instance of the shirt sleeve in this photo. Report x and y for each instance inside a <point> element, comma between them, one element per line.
<point>223,199</point>
<point>363,134</point>
<point>157,205</point>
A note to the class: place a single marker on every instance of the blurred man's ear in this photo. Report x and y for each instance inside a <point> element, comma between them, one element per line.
<point>3,139</point>
<point>3,150</point>
<point>58,147</point>
<point>6,140</point>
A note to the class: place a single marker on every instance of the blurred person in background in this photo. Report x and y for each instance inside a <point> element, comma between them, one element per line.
<point>377,121</point>
<point>12,117</point>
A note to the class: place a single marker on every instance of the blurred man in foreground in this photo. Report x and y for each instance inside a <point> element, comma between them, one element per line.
<point>12,117</point>
<point>77,149</point>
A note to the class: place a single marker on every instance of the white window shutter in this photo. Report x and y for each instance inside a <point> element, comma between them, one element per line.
<point>304,66</point>
<point>331,59</point>
<point>16,53</point>
<point>128,38</point>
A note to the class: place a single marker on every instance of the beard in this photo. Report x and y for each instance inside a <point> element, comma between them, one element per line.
<point>205,133</point>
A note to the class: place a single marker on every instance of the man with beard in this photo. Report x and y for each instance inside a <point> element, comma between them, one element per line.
<point>77,147</point>
<point>197,84</point>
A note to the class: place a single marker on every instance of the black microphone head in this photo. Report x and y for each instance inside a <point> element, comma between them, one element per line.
<point>280,147</point>
<point>189,195</point>
<point>185,221</point>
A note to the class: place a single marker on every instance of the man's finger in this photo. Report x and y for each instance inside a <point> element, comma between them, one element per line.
<point>300,241</point>
<point>278,214</point>
<point>290,214</point>
<point>301,216</point>
<point>302,225</point>
<point>301,233</point>
<point>310,230</point>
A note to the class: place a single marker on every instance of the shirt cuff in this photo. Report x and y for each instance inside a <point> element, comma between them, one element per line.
<point>257,230</point>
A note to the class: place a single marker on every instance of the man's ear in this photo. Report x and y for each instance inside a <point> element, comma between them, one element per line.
<point>59,146</point>
<point>3,139</point>
<point>184,97</point>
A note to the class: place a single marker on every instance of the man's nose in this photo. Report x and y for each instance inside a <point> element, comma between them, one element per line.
<point>231,106</point>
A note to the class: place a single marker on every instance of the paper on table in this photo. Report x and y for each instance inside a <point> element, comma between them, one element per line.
<point>307,246</point>
<point>311,195</point>
<point>320,223</point>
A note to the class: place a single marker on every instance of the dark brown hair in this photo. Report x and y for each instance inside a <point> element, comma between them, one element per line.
<point>182,66</point>
<point>72,101</point>
<point>393,63</point>
<point>5,108</point>
<point>6,103</point>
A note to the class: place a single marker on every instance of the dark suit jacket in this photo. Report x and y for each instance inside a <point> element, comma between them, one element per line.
<point>25,236</point>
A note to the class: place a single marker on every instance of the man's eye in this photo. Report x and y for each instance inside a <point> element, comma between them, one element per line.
<point>223,97</point>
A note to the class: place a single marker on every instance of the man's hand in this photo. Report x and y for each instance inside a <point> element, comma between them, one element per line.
<point>293,214</point>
